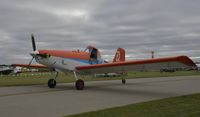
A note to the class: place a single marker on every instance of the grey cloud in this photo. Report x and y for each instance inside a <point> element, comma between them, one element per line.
<point>167,27</point>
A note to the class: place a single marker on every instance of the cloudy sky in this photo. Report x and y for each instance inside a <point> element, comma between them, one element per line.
<point>168,27</point>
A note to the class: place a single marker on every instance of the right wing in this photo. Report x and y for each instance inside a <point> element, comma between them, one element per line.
<point>149,64</point>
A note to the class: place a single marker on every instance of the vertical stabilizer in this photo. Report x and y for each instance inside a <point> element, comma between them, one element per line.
<point>119,55</point>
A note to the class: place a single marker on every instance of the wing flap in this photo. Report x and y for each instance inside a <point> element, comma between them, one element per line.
<point>149,64</point>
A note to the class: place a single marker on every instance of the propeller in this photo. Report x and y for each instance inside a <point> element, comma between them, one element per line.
<point>33,42</point>
<point>34,49</point>
<point>35,53</point>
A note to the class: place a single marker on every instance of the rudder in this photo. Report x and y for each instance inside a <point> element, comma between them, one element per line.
<point>119,55</point>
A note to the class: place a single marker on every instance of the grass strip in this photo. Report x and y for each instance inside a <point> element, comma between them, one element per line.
<point>182,106</point>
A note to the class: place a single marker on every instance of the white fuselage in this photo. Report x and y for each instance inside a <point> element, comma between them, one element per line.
<point>63,64</point>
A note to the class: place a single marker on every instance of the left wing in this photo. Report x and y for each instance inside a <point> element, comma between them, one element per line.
<point>149,64</point>
<point>32,65</point>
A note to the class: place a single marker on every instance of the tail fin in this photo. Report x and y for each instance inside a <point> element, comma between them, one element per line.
<point>119,55</point>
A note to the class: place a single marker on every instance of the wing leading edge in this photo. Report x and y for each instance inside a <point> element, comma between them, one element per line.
<point>149,64</point>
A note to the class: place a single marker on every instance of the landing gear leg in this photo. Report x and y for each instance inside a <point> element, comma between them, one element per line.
<point>52,82</point>
<point>79,83</point>
<point>123,79</point>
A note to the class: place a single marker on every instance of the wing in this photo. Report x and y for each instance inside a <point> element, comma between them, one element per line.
<point>32,65</point>
<point>149,64</point>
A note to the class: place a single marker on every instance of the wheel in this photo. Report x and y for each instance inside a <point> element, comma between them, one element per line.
<point>123,81</point>
<point>52,83</point>
<point>79,84</point>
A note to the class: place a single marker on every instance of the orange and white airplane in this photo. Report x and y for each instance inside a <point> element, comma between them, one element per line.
<point>89,61</point>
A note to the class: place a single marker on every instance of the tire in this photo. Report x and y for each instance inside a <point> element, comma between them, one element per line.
<point>123,81</point>
<point>79,84</point>
<point>52,83</point>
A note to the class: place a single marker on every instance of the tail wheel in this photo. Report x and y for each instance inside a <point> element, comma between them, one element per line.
<point>79,84</point>
<point>123,81</point>
<point>52,83</point>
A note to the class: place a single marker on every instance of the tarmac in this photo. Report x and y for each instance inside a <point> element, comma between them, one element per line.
<point>40,101</point>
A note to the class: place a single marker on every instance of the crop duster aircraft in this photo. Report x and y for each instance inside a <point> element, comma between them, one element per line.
<point>89,61</point>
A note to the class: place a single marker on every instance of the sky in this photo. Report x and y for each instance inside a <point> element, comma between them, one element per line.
<point>167,27</point>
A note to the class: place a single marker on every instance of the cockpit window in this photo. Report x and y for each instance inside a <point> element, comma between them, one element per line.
<point>88,49</point>
<point>94,53</point>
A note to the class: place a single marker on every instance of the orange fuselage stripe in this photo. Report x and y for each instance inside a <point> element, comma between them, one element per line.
<point>67,54</point>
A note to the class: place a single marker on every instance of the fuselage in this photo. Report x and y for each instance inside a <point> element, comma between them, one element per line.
<point>65,60</point>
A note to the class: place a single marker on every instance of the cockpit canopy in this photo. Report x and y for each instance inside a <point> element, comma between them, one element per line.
<point>94,52</point>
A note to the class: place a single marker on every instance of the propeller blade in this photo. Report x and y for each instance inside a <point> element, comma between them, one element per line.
<point>33,42</point>
<point>30,62</point>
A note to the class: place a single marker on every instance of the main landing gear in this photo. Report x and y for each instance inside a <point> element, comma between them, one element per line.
<point>52,82</point>
<point>79,83</point>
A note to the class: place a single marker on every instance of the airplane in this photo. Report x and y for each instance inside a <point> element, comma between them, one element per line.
<point>19,68</point>
<point>16,68</point>
<point>5,69</point>
<point>89,61</point>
